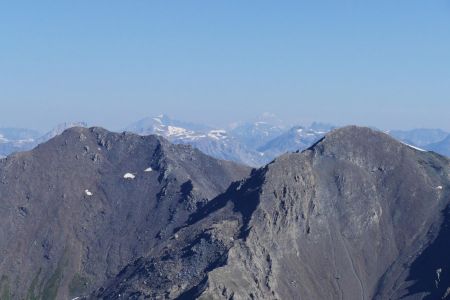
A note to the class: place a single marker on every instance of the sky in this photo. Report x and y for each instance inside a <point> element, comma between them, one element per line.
<point>381,63</point>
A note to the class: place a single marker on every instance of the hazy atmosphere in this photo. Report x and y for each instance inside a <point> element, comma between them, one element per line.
<point>208,150</point>
<point>111,63</point>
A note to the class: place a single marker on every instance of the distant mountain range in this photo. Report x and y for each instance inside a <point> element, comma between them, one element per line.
<point>212,141</point>
<point>420,137</point>
<point>259,142</point>
<point>296,138</point>
<point>441,147</point>
<point>253,143</point>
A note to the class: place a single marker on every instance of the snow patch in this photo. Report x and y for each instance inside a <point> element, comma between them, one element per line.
<point>149,169</point>
<point>172,130</point>
<point>88,193</point>
<point>217,134</point>
<point>439,187</point>
<point>129,176</point>
<point>158,119</point>
<point>414,147</point>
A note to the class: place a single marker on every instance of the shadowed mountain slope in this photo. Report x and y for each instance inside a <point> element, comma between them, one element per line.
<point>77,209</point>
<point>357,216</point>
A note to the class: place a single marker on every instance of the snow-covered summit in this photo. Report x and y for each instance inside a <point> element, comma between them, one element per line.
<point>216,142</point>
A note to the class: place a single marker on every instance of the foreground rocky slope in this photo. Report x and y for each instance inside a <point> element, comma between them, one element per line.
<point>357,216</point>
<point>77,209</point>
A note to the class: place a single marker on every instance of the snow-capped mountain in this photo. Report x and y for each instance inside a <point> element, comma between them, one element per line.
<point>295,139</point>
<point>212,141</point>
<point>164,125</point>
<point>251,143</point>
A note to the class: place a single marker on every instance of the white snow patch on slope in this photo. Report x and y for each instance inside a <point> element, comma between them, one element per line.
<point>158,119</point>
<point>439,187</point>
<point>217,134</point>
<point>149,169</point>
<point>414,147</point>
<point>129,176</point>
<point>172,130</point>
<point>87,192</point>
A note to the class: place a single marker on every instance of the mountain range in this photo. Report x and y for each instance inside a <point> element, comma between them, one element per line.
<point>250,143</point>
<point>92,214</point>
<point>215,142</point>
<point>253,143</point>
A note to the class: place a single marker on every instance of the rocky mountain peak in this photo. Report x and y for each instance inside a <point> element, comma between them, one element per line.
<point>348,218</point>
<point>358,215</point>
<point>77,209</point>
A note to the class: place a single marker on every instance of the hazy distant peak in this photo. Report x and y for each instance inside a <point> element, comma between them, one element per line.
<point>60,128</point>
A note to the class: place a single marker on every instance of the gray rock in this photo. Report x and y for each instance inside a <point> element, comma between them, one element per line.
<point>356,216</point>
<point>76,210</point>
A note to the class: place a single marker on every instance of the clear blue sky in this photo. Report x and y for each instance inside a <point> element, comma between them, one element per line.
<point>384,63</point>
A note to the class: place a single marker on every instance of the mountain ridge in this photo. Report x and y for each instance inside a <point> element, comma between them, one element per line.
<point>77,208</point>
<point>253,143</point>
<point>353,202</point>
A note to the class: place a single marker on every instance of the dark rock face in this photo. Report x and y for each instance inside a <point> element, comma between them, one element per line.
<point>79,208</point>
<point>357,216</point>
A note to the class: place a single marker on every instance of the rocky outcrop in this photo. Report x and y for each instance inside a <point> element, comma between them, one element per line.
<point>77,209</point>
<point>98,215</point>
<point>357,216</point>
